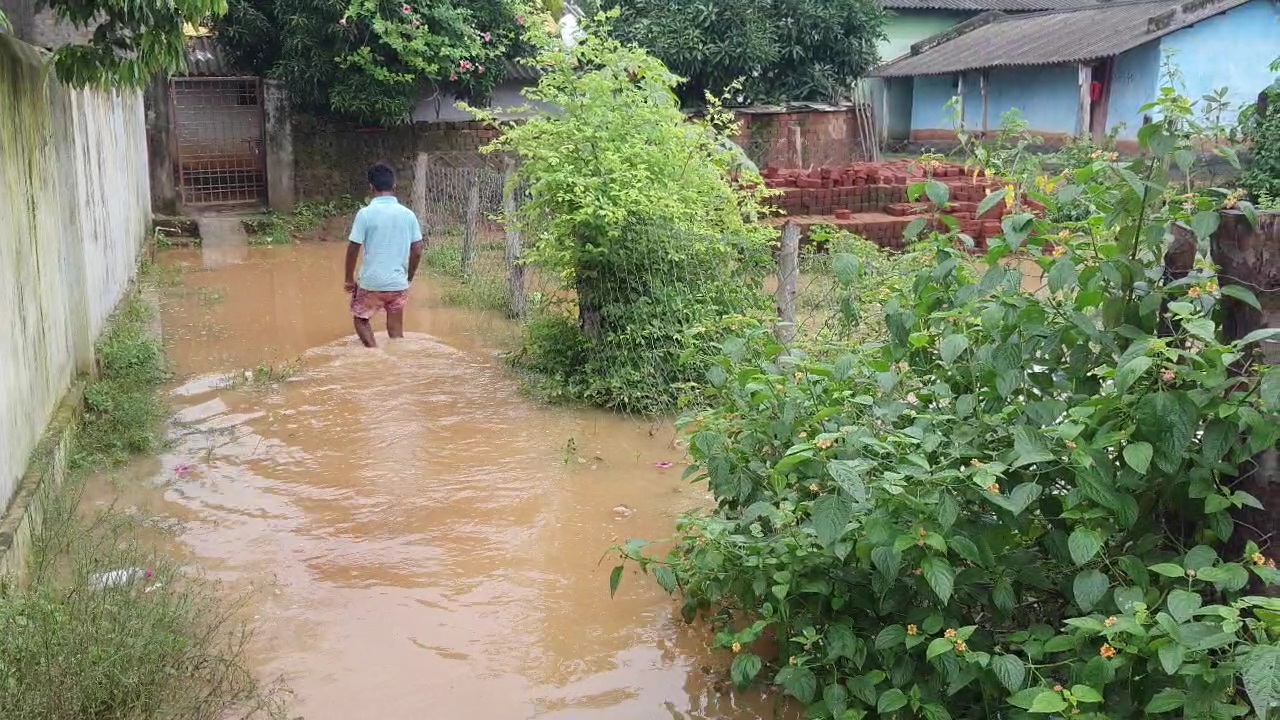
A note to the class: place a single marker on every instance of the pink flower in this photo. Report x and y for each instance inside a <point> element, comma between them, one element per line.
<point>406,9</point>
<point>464,65</point>
<point>343,22</point>
<point>519,19</point>
<point>417,24</point>
<point>487,37</point>
<point>480,68</point>
<point>453,76</point>
<point>664,465</point>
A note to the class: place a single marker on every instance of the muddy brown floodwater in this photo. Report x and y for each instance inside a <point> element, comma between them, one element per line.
<point>422,541</point>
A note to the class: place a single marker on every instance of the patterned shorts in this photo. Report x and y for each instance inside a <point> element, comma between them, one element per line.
<point>366,303</point>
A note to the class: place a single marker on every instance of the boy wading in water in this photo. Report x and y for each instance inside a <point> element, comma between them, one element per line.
<point>392,240</point>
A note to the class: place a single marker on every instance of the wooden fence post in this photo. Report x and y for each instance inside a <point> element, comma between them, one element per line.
<point>515,250</point>
<point>472,221</point>
<point>420,169</point>
<point>788,281</point>
<point>1249,256</point>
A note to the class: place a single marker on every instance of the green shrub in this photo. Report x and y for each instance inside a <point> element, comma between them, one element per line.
<point>631,207</point>
<point>1019,504</point>
<point>1262,179</point>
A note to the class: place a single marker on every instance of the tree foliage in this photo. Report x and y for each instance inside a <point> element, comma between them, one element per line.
<point>1019,504</point>
<point>371,61</point>
<point>132,40</point>
<point>1262,179</point>
<point>782,50</point>
<point>631,205</point>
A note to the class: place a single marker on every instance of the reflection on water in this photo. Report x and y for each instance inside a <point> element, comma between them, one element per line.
<point>430,540</point>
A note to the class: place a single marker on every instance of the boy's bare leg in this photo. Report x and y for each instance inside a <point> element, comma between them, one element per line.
<point>365,331</point>
<point>395,323</point>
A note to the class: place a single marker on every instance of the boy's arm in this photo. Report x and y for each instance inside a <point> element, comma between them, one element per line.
<point>353,253</point>
<point>415,249</point>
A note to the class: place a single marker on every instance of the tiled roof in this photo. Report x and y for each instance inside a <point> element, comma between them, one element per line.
<point>1099,30</point>
<point>983,5</point>
<point>205,58</point>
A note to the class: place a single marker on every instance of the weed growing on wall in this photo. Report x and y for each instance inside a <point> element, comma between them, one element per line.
<point>122,412</point>
<point>632,209</point>
<point>1020,504</point>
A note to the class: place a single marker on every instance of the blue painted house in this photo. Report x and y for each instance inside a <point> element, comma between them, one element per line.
<point>1082,71</point>
<point>909,22</point>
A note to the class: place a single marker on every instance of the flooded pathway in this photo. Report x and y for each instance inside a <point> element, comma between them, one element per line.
<point>422,540</point>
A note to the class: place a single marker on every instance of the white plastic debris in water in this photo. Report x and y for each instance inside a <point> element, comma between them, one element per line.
<point>116,578</point>
<point>623,511</point>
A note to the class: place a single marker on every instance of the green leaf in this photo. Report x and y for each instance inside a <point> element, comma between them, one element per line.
<point>938,192</point>
<point>1083,544</point>
<point>1259,336</point>
<point>746,666</point>
<point>914,228</point>
<point>830,515</point>
<point>1131,371</point>
<point>1182,605</point>
<point>991,201</point>
<point>940,576</point>
<point>1242,294</point>
<point>1029,447</point>
<point>1168,570</point>
<point>1203,328</point>
<point>1261,676</point>
<point>1089,587</point>
<point>1168,421</point>
<point>1138,456</point>
<point>836,698</point>
<point>666,578</point>
<point>1048,702</point>
<point>891,636</point>
<point>891,700</point>
<point>1010,671</point>
<point>841,642</point>
<point>798,682</point>
<point>1084,693</point>
<point>1204,223</point>
<point>940,646</point>
<point>1025,698</point>
<point>1002,595</point>
<point>615,578</point>
<point>1166,700</point>
<point>952,347</point>
<point>863,688</point>
<point>1019,499</point>
<point>1171,656</point>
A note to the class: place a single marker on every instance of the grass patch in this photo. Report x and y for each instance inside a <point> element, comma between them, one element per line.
<point>280,229</point>
<point>483,287</point>
<point>163,645</point>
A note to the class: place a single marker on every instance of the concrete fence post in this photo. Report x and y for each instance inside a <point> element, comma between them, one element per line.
<point>515,248</point>
<point>278,117</point>
<point>788,282</point>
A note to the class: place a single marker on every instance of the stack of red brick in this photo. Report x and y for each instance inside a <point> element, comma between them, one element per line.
<point>870,199</point>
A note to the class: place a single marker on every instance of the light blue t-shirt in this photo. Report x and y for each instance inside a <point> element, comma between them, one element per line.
<point>386,229</point>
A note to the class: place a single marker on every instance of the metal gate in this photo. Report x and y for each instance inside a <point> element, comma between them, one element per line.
<point>218,131</point>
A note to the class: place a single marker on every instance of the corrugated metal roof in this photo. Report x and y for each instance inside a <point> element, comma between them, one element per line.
<point>984,5</point>
<point>205,58</point>
<point>1079,34</point>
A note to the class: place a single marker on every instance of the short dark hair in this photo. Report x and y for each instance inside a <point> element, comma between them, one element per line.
<point>382,177</point>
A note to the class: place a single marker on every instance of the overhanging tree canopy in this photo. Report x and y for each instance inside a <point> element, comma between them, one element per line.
<point>782,50</point>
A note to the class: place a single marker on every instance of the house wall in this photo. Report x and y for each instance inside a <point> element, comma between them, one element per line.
<point>74,214</point>
<point>1135,81</point>
<point>1231,50</point>
<point>892,100</point>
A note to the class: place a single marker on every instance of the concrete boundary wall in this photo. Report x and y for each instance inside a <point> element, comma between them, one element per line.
<point>74,215</point>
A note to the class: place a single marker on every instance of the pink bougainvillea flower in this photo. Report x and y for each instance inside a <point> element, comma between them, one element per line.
<point>406,9</point>
<point>453,76</point>
<point>487,37</point>
<point>480,68</point>
<point>664,464</point>
<point>519,19</point>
